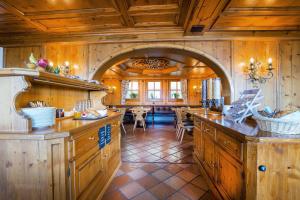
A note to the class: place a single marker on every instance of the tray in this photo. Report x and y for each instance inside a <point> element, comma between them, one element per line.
<point>86,118</point>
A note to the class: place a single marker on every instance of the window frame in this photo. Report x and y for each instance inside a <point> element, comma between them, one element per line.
<point>160,90</point>
<point>131,90</point>
<point>170,90</point>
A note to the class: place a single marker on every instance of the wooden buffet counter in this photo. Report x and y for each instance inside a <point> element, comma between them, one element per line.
<point>75,159</point>
<point>65,162</point>
<point>241,162</point>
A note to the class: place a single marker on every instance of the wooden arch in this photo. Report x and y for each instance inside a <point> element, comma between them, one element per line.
<point>209,60</point>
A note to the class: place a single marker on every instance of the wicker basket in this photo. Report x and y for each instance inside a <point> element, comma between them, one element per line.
<point>277,125</point>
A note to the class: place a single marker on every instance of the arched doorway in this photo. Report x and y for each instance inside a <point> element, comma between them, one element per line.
<point>215,65</point>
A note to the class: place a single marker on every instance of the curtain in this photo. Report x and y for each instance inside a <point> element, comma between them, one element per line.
<point>124,89</point>
<point>184,90</point>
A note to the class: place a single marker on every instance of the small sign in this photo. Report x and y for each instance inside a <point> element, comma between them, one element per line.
<point>108,133</point>
<point>101,134</point>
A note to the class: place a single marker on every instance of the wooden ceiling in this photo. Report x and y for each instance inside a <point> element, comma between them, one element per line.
<point>46,19</point>
<point>180,66</point>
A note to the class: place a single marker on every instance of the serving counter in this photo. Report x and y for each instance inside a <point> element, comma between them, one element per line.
<point>75,159</point>
<point>241,162</point>
<point>68,161</point>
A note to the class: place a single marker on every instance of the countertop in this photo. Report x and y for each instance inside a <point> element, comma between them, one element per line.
<point>62,128</point>
<point>247,130</point>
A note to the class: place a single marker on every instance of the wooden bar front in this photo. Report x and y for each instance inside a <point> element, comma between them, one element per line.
<point>241,162</point>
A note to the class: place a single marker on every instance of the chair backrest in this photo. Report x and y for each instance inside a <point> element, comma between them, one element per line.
<point>178,116</point>
<point>138,114</point>
<point>122,111</point>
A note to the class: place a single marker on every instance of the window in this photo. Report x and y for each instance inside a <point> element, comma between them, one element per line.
<point>154,90</point>
<point>175,90</point>
<point>133,90</point>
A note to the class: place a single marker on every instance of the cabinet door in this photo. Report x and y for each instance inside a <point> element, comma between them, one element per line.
<point>198,143</point>
<point>229,175</point>
<point>209,155</point>
<point>85,173</point>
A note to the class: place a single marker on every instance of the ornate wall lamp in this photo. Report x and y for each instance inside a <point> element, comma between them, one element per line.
<point>111,89</point>
<point>256,69</point>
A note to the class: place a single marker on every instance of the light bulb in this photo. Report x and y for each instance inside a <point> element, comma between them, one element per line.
<point>270,60</point>
<point>76,66</point>
<point>252,60</point>
<point>67,63</point>
<point>51,64</point>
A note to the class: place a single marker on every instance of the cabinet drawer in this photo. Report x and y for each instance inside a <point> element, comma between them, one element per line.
<point>85,142</point>
<point>231,145</point>
<point>209,130</point>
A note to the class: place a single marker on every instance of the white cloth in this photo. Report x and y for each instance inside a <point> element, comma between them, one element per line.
<point>184,90</point>
<point>124,89</point>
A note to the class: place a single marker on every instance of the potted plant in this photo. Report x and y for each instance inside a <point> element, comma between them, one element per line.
<point>133,95</point>
<point>176,95</point>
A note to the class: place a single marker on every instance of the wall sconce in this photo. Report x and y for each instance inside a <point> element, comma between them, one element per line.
<point>111,89</point>
<point>256,68</point>
<point>197,89</point>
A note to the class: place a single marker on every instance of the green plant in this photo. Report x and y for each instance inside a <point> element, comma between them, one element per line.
<point>176,95</point>
<point>152,96</point>
<point>133,95</point>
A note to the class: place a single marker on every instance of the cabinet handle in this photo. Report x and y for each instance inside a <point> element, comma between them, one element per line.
<point>262,168</point>
<point>92,138</point>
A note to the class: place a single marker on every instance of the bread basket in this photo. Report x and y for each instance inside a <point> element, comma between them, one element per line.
<point>289,124</point>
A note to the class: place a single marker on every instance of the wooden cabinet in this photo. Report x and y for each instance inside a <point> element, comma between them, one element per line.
<point>239,167</point>
<point>229,175</point>
<point>209,155</point>
<point>91,168</point>
<point>219,157</point>
<point>198,150</point>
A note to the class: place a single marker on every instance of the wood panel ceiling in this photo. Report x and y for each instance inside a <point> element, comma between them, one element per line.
<point>59,18</point>
<point>179,66</point>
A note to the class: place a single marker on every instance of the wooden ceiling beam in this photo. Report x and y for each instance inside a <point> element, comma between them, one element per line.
<point>122,6</point>
<point>21,15</point>
<point>281,11</point>
<point>184,12</point>
<point>149,9</point>
<point>206,13</point>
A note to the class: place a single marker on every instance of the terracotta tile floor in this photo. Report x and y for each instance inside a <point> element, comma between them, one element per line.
<point>155,166</point>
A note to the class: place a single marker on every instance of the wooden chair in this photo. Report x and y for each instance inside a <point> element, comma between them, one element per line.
<point>123,111</point>
<point>182,126</point>
<point>138,117</point>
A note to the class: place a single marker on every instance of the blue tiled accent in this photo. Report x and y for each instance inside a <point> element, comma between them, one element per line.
<point>108,133</point>
<point>101,134</point>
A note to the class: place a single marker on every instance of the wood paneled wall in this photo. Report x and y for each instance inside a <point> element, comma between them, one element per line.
<point>58,97</point>
<point>289,78</point>
<point>279,92</point>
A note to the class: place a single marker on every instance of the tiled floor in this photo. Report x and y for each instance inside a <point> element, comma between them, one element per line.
<point>156,166</point>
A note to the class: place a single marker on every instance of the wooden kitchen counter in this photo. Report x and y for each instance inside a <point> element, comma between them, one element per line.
<point>241,162</point>
<point>62,128</point>
<point>76,159</point>
<point>247,130</point>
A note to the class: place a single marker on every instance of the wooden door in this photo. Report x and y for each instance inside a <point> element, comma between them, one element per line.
<point>209,155</point>
<point>198,143</point>
<point>229,173</point>
<point>86,173</point>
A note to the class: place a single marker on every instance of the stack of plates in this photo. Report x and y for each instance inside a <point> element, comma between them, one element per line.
<point>41,116</point>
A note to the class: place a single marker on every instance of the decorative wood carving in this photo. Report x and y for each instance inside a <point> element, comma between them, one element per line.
<point>13,84</point>
<point>15,81</point>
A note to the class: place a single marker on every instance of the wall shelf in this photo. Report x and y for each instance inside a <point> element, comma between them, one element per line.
<point>15,81</point>
<point>52,79</point>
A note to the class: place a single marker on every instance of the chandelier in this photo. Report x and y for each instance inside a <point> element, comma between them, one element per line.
<point>256,69</point>
<point>149,63</point>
